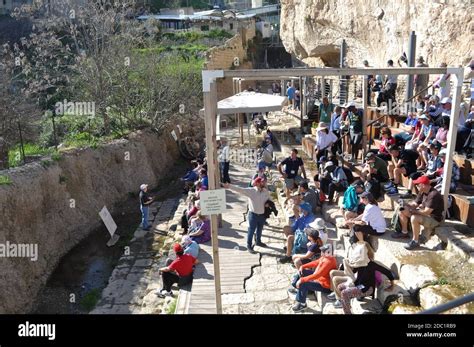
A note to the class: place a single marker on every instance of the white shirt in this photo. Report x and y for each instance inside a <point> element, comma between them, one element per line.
<point>392,79</point>
<point>444,86</point>
<point>373,216</point>
<point>224,154</point>
<point>257,199</point>
<point>323,140</point>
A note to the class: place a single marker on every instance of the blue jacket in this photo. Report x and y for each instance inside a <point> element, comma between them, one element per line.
<point>303,222</point>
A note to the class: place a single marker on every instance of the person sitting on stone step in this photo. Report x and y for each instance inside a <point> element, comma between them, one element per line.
<point>314,249</point>
<point>190,247</point>
<point>178,271</point>
<point>375,167</point>
<point>371,221</point>
<point>359,254</point>
<point>351,206</point>
<point>427,210</point>
<point>201,230</point>
<point>313,280</point>
<point>364,284</point>
<point>300,224</point>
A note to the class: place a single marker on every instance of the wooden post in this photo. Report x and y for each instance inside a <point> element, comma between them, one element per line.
<point>453,131</point>
<point>283,88</point>
<point>300,82</point>
<point>365,86</point>
<point>210,107</point>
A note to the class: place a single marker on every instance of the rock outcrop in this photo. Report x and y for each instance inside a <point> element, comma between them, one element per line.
<point>378,30</point>
<point>55,204</point>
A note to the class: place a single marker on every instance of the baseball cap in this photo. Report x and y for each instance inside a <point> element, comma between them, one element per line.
<point>435,144</point>
<point>143,186</point>
<point>327,248</point>
<point>422,116</point>
<point>350,104</point>
<point>323,159</point>
<point>442,153</point>
<point>370,155</point>
<point>312,232</point>
<point>422,180</point>
<point>318,224</point>
<point>177,248</point>
<point>328,164</point>
<point>446,100</point>
<point>367,195</point>
<point>186,240</point>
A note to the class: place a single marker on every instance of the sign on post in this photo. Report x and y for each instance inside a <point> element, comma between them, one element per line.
<point>212,201</point>
<point>110,225</point>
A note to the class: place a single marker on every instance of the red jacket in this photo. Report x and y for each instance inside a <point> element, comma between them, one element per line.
<point>323,266</point>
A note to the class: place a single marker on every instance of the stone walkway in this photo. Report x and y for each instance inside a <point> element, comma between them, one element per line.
<point>133,282</point>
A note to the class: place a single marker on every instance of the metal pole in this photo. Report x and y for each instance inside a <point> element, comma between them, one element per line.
<point>453,131</point>
<point>210,107</point>
<point>449,305</point>
<point>364,116</point>
<point>343,79</point>
<point>411,63</point>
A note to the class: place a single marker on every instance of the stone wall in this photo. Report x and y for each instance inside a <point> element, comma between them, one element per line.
<point>55,204</point>
<point>224,58</point>
<point>378,30</point>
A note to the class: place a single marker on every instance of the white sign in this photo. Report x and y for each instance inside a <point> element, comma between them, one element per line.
<point>212,201</point>
<point>175,137</point>
<point>108,220</point>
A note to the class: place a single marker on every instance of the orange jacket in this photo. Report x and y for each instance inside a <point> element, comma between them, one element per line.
<point>323,266</point>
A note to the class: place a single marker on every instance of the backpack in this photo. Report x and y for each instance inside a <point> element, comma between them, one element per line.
<point>349,175</point>
<point>301,240</point>
<point>373,186</point>
<point>358,255</point>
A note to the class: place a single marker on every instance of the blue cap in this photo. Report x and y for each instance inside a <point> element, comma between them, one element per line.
<point>261,165</point>
<point>306,207</point>
<point>323,158</point>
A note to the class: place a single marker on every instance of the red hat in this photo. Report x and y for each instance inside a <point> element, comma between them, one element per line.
<point>422,180</point>
<point>177,248</point>
<point>258,180</point>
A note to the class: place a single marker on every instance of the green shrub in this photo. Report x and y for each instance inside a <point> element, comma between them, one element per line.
<point>5,180</point>
<point>89,300</point>
<point>15,156</point>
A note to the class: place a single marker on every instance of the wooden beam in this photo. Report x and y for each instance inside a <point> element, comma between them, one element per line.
<point>457,73</point>
<point>210,107</point>
<point>291,73</point>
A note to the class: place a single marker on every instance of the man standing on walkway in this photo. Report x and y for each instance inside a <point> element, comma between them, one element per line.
<point>292,165</point>
<point>326,109</point>
<point>257,196</point>
<point>224,161</point>
<point>290,92</point>
<point>421,80</point>
<point>145,201</point>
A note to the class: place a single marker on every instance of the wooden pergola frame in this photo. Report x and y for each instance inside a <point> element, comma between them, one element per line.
<point>209,79</point>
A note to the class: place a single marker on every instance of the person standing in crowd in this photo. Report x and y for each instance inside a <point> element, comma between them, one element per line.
<point>145,202</point>
<point>421,80</point>
<point>335,127</point>
<point>443,83</point>
<point>315,280</point>
<point>292,165</point>
<point>391,84</point>
<point>224,160</point>
<point>427,210</point>
<point>354,121</point>
<point>369,83</point>
<point>178,271</point>
<point>326,108</point>
<point>297,99</point>
<point>290,92</point>
<point>257,196</point>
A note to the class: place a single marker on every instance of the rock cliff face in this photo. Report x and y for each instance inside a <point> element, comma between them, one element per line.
<point>55,204</point>
<point>378,30</point>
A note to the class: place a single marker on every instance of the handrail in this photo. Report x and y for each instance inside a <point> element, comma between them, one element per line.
<point>449,305</point>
